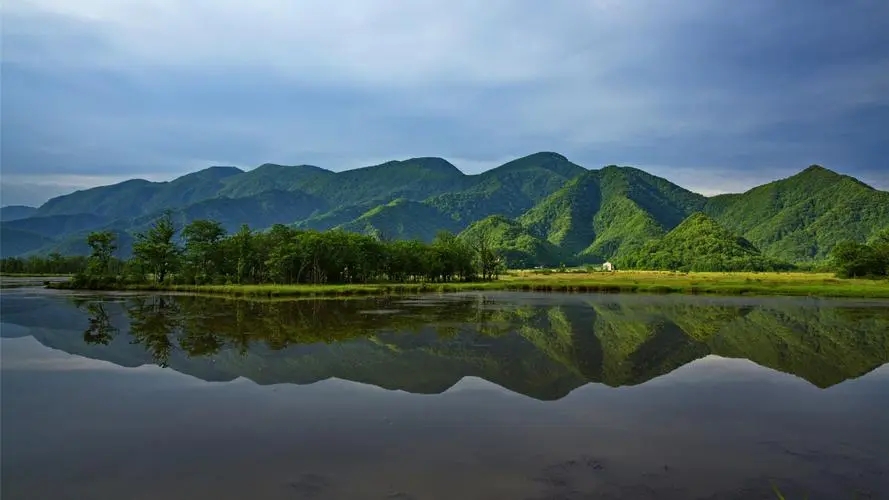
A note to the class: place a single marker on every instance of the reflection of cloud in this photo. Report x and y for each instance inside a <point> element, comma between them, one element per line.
<point>107,88</point>
<point>27,354</point>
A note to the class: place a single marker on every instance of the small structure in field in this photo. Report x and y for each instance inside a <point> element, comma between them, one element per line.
<point>608,266</point>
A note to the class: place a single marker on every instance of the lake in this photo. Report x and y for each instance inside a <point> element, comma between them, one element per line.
<point>462,396</point>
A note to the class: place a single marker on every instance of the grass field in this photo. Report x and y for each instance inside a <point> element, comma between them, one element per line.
<point>797,284</point>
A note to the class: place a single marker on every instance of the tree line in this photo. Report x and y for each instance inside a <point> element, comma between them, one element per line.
<point>53,264</point>
<point>203,252</point>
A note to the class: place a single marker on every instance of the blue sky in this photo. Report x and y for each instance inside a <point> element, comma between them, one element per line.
<point>717,96</point>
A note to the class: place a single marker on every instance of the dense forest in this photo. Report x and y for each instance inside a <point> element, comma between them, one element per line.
<point>202,252</point>
<point>542,209</point>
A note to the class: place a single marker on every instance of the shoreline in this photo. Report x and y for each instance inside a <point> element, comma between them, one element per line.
<point>725,284</point>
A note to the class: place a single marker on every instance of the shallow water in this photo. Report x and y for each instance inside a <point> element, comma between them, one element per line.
<point>496,395</point>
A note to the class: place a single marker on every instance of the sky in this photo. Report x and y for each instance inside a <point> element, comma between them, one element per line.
<point>713,95</point>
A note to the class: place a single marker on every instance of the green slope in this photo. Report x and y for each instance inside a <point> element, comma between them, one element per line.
<point>610,212</point>
<point>403,219</point>
<point>137,197</point>
<point>519,248</point>
<point>272,177</point>
<point>509,189</point>
<point>413,179</point>
<point>53,226</point>
<point>803,217</point>
<point>699,243</point>
<point>259,211</point>
<point>15,242</point>
<point>336,217</point>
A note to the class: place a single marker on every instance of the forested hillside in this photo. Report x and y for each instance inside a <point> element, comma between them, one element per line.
<point>699,243</point>
<point>539,209</point>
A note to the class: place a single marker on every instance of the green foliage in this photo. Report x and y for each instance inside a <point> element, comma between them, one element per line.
<point>284,255</point>
<point>203,255</point>
<point>857,260</point>
<point>102,245</point>
<point>700,244</point>
<point>156,250</point>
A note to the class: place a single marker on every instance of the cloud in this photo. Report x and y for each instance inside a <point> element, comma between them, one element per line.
<point>733,91</point>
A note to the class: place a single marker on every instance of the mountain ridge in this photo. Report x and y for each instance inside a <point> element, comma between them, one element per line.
<point>588,215</point>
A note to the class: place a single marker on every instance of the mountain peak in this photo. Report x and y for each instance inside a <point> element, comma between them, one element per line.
<point>547,160</point>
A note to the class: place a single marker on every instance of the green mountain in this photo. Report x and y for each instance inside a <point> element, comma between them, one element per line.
<point>519,248</point>
<point>52,226</point>
<point>699,243</point>
<point>803,217</point>
<point>262,210</point>
<point>582,215</point>
<point>510,189</point>
<point>610,212</point>
<point>272,177</point>
<point>140,197</point>
<point>15,212</point>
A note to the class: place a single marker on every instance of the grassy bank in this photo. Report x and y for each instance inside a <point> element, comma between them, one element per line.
<point>794,284</point>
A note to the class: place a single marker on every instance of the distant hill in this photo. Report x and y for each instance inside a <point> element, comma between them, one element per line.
<point>15,212</point>
<point>18,242</point>
<point>544,205</point>
<point>803,217</point>
<point>699,243</point>
<point>137,197</point>
<point>609,212</point>
<point>52,226</point>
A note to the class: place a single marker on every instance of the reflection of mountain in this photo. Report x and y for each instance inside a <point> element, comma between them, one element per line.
<point>540,349</point>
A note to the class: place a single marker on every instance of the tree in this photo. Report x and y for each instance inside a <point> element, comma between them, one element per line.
<point>156,248</point>
<point>203,250</point>
<point>241,251</point>
<point>102,245</point>
<point>855,260</point>
<point>487,258</point>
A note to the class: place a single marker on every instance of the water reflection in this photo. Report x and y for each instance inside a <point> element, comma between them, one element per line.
<point>540,347</point>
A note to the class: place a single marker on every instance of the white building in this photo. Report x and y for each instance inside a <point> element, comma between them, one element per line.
<point>608,266</point>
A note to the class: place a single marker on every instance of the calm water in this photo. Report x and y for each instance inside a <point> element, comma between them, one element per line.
<point>495,396</point>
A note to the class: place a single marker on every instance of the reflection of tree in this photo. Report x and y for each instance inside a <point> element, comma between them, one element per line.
<point>100,330</point>
<point>153,321</point>
<point>544,350</point>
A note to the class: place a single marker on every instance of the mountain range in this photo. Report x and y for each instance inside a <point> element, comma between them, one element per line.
<point>541,209</point>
